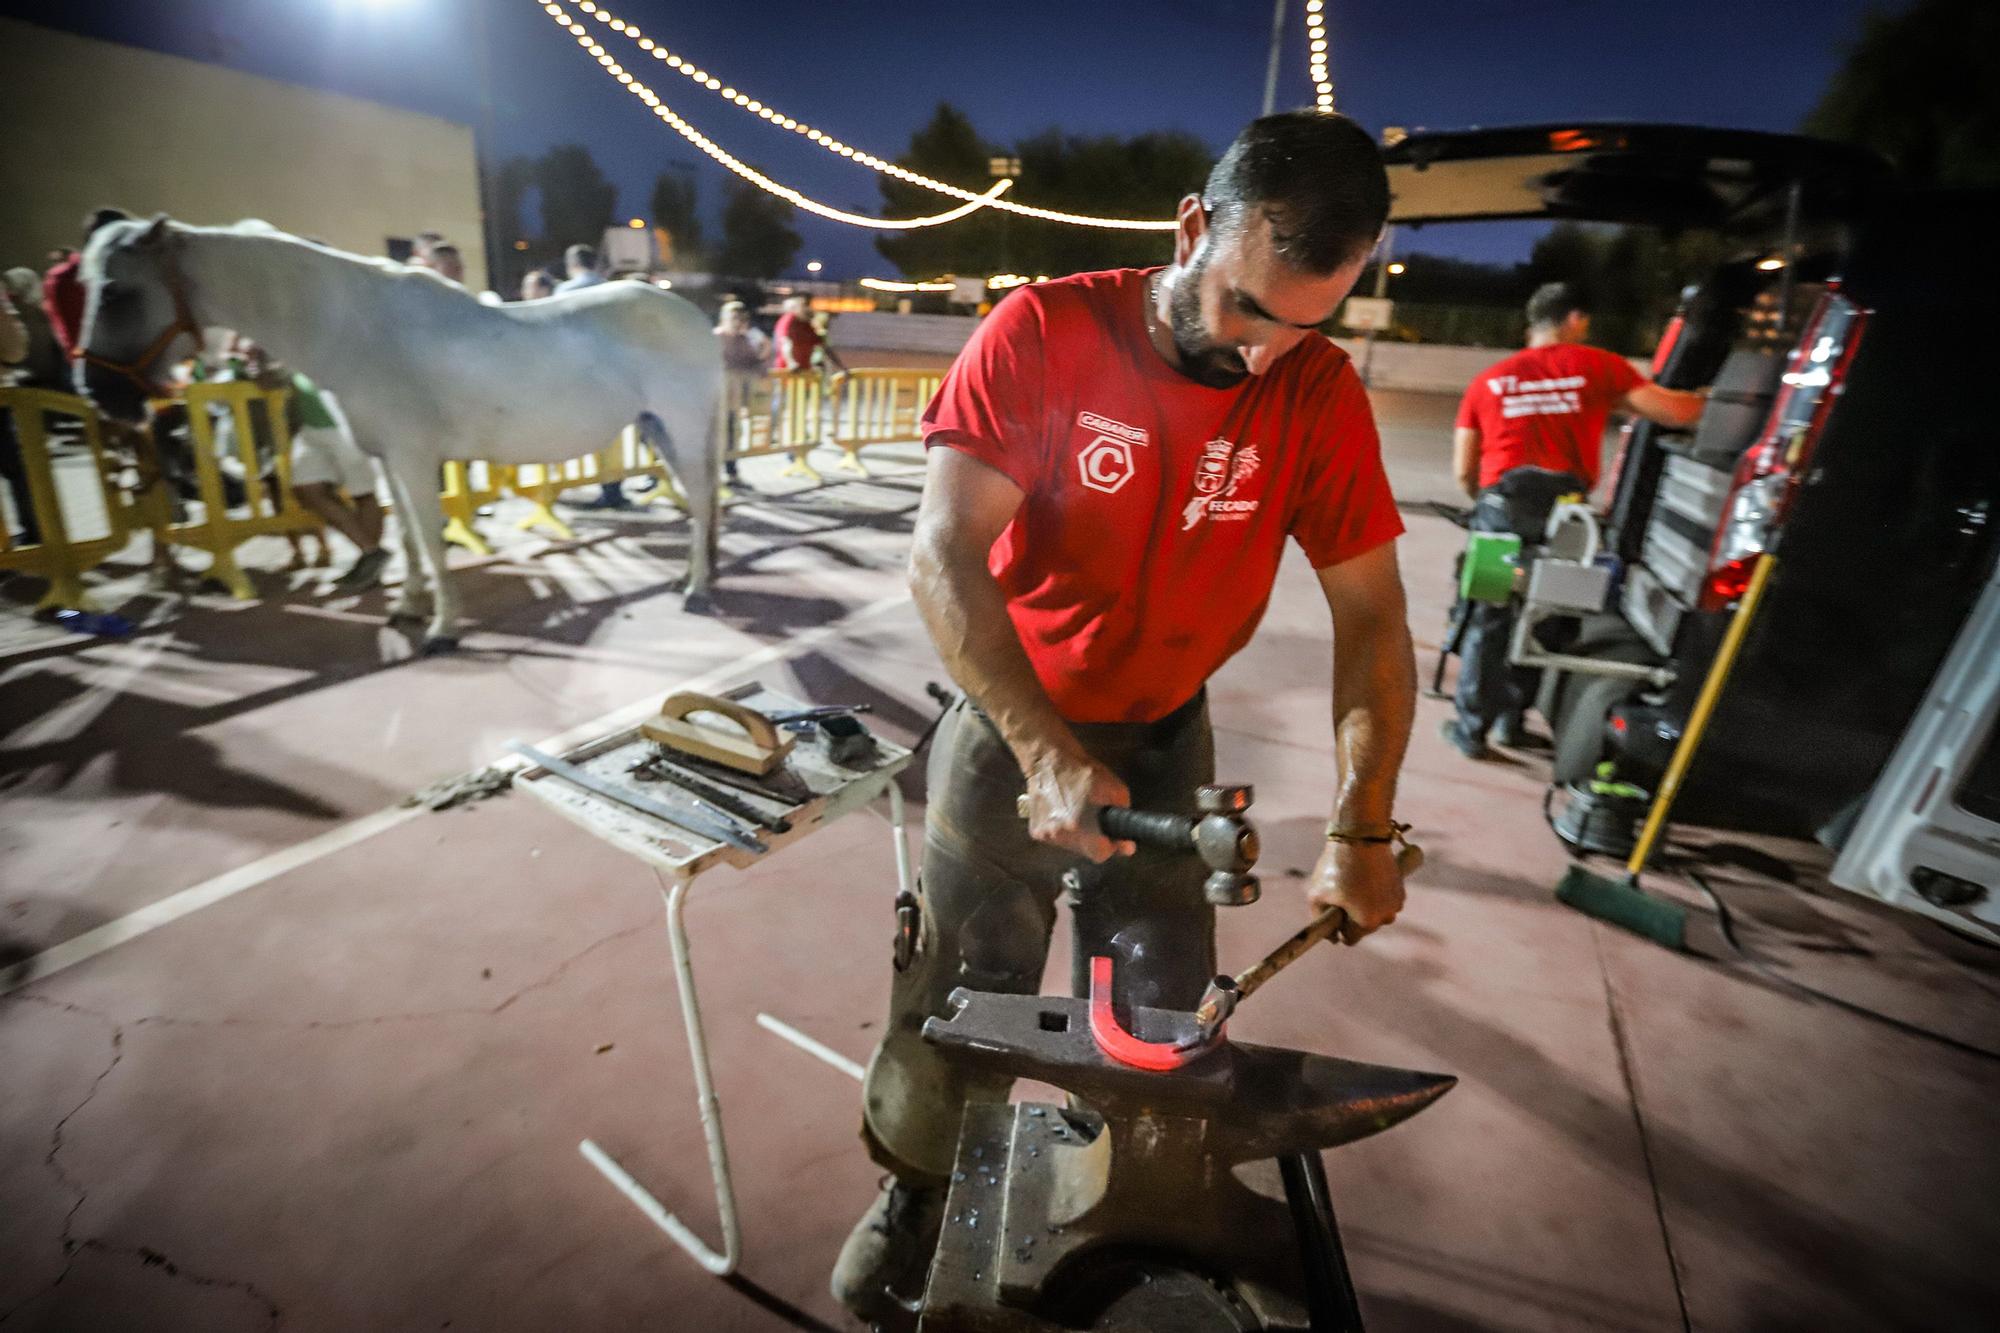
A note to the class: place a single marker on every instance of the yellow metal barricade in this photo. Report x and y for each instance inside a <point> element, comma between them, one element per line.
<point>466,488</point>
<point>58,557</point>
<point>220,530</point>
<point>879,407</point>
<point>785,416</point>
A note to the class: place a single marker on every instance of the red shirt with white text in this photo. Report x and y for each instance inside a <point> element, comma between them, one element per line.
<point>1156,509</point>
<point>1546,407</point>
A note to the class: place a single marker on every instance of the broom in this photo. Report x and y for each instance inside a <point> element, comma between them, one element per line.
<point>1621,901</point>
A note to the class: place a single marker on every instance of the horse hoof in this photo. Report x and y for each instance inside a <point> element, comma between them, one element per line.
<point>438,644</point>
<point>698,604</point>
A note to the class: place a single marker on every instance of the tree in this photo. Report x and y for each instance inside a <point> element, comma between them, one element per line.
<point>947,148</point>
<point>757,236</point>
<point>507,191</point>
<point>1919,89</point>
<point>1142,177</point>
<point>676,212</point>
<point>577,200</point>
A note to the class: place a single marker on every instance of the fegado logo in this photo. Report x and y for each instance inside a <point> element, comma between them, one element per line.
<point>1106,463</point>
<point>1222,469</point>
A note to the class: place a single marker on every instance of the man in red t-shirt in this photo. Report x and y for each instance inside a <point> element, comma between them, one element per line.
<point>62,288</point>
<point>794,339</point>
<point>1116,464</point>
<point>1531,428</point>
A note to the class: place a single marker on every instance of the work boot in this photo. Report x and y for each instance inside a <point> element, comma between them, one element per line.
<point>1464,739</point>
<point>889,1251</point>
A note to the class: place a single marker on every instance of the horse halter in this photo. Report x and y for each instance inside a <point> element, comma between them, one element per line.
<point>184,322</point>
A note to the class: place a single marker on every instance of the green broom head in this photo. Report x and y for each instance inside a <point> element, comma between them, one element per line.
<point>1623,903</point>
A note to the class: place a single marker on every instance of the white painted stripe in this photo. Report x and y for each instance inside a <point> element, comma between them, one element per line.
<point>811,1046</point>
<point>175,906</point>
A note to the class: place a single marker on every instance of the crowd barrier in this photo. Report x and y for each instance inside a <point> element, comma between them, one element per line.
<point>791,414</point>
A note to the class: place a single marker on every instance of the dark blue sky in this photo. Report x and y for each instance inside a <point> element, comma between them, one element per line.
<point>872,72</point>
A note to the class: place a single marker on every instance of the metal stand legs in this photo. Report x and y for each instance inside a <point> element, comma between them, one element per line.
<point>723,1264</point>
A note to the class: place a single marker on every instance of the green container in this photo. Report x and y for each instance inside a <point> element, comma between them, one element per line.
<point>1487,573</point>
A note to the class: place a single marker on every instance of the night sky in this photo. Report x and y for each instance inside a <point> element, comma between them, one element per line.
<point>872,72</point>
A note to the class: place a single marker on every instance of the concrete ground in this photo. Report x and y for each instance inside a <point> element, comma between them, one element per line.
<point>342,1085</point>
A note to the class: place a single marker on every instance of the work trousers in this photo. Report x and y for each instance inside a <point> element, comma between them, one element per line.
<point>988,896</point>
<point>1489,687</point>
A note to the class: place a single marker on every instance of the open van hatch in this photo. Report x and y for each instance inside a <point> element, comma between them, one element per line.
<point>1671,176</point>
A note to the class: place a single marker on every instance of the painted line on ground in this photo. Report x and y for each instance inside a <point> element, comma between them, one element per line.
<point>811,1046</point>
<point>173,907</point>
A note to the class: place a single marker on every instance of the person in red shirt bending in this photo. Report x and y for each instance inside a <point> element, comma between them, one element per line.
<point>1116,463</point>
<point>1530,429</point>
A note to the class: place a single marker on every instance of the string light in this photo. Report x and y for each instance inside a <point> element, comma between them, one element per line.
<point>891,285</point>
<point>687,69</point>
<point>743,169</point>
<point>1316,54</point>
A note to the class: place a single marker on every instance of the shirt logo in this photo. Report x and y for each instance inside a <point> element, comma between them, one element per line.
<point>1106,426</point>
<point>1222,470</point>
<point>1105,464</point>
<point>1537,398</point>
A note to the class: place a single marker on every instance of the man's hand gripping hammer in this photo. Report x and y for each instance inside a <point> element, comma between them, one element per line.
<point>1224,993</point>
<point>1220,835</point>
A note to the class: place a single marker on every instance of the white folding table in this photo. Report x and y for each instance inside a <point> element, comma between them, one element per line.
<point>834,791</point>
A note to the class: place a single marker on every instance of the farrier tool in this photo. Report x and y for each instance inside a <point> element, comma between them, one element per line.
<point>659,768</point>
<point>746,740</point>
<point>1220,835</point>
<point>708,822</point>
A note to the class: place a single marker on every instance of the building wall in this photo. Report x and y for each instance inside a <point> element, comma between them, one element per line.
<point>86,123</point>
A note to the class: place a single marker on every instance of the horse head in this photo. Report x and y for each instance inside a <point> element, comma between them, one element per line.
<point>136,318</point>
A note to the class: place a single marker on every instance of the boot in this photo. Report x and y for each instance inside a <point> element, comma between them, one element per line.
<point>888,1254</point>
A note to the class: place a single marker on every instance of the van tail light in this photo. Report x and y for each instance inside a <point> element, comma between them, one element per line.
<point>1767,477</point>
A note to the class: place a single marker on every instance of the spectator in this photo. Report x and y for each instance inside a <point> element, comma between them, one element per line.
<point>795,339</point>
<point>537,284</point>
<point>43,367</point>
<point>422,247</point>
<point>826,356</point>
<point>447,262</point>
<point>581,261</point>
<point>62,289</point>
<point>326,462</point>
<point>745,353</point>
<point>13,353</point>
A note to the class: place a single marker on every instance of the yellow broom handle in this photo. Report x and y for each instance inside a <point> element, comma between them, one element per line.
<point>1711,689</point>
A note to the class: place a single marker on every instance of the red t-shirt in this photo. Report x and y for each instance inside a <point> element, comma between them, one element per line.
<point>1545,407</point>
<point>62,298</point>
<point>1156,509</point>
<point>805,338</point>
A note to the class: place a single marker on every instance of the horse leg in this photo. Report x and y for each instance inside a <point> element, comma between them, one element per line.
<point>417,492</point>
<point>690,449</point>
<point>413,602</point>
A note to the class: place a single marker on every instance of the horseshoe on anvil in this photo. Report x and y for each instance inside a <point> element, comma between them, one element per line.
<point>1123,1046</point>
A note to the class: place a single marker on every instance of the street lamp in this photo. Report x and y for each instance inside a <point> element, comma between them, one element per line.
<point>1396,269</point>
<point>814,267</point>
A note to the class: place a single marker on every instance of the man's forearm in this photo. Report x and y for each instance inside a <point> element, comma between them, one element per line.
<point>1374,705</point>
<point>966,613</point>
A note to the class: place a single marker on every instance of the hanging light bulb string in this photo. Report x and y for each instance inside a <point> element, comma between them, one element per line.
<point>743,169</point>
<point>706,80</point>
<point>1316,54</point>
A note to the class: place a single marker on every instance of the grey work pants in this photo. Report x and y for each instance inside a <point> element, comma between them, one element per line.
<point>989,903</point>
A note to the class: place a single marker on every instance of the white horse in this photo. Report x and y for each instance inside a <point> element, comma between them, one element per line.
<point>425,371</point>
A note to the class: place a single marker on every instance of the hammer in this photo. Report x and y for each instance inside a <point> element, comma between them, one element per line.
<point>1220,835</point>
<point>1225,992</point>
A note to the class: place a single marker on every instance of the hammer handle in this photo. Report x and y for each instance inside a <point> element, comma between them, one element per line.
<point>1148,828</point>
<point>1322,927</point>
